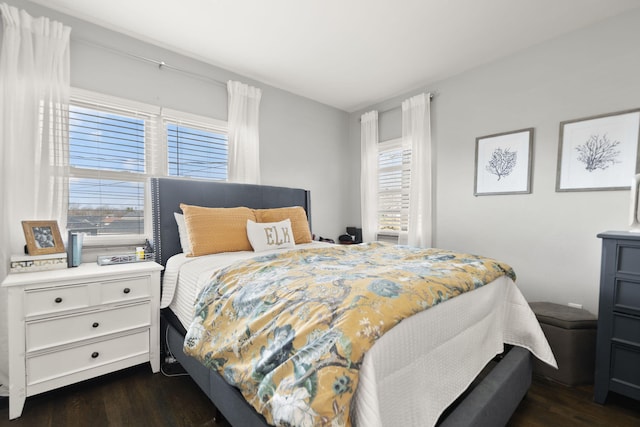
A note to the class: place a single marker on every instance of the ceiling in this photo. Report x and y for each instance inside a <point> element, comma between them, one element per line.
<point>345,53</point>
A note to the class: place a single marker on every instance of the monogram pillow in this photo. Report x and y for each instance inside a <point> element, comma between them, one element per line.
<point>264,236</point>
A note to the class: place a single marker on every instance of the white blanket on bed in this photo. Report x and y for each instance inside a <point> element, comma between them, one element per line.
<point>419,367</point>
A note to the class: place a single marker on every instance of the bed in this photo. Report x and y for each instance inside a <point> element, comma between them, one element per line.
<point>469,394</point>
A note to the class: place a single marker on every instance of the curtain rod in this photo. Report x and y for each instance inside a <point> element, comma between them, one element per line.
<point>161,64</point>
<point>400,106</point>
<point>431,96</point>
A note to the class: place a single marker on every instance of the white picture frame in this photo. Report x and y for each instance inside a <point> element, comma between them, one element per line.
<point>503,163</point>
<point>599,152</point>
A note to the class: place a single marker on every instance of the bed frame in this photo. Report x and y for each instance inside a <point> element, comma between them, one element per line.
<point>489,402</point>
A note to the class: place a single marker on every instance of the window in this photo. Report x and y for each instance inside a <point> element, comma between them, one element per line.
<point>394,173</point>
<point>196,152</point>
<point>116,145</point>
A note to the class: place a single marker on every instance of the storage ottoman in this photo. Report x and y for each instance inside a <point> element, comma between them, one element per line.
<point>571,333</point>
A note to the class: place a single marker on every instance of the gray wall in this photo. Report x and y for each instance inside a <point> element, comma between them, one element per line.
<point>301,141</point>
<point>548,237</point>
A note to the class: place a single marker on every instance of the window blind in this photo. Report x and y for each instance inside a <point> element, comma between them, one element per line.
<point>196,152</point>
<point>115,145</point>
<point>107,149</point>
<point>101,207</point>
<point>106,141</point>
<point>394,174</point>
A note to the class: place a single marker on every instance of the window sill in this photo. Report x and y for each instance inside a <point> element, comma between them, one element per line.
<point>113,241</point>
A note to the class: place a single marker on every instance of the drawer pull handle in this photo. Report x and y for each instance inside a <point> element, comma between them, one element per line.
<point>126,290</point>
<point>58,300</point>
<point>95,355</point>
<point>95,324</point>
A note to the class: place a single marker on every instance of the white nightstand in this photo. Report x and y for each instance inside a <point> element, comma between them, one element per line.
<point>74,324</point>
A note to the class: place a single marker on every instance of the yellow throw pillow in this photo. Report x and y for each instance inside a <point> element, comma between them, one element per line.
<point>297,215</point>
<point>214,230</point>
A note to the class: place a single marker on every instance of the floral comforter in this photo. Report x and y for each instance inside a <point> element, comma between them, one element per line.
<point>290,330</point>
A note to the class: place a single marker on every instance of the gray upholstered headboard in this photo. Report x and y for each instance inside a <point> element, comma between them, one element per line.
<point>168,193</point>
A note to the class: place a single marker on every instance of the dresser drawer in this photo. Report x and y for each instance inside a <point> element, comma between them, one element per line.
<point>126,289</point>
<point>66,362</point>
<point>625,365</point>
<point>62,330</point>
<point>52,300</point>
<point>628,257</point>
<point>627,296</point>
<point>627,329</point>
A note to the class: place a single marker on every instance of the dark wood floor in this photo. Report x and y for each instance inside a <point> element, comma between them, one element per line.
<point>551,404</point>
<point>136,397</point>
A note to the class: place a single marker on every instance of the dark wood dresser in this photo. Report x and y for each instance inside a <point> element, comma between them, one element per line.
<point>618,342</point>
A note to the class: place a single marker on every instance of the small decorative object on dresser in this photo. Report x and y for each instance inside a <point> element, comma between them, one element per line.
<point>43,237</point>
<point>74,248</point>
<point>618,340</point>
<point>31,263</point>
<point>66,326</point>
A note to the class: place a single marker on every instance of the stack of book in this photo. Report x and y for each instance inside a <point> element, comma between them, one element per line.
<point>28,263</point>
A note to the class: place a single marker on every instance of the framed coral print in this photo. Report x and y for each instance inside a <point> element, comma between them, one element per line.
<point>43,237</point>
<point>503,163</point>
<point>599,152</point>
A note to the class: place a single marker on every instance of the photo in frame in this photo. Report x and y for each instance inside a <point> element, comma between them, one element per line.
<point>43,237</point>
<point>503,163</point>
<point>599,152</point>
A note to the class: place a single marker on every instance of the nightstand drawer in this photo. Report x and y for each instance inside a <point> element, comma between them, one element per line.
<point>52,300</point>
<point>123,290</point>
<point>66,362</point>
<point>62,330</point>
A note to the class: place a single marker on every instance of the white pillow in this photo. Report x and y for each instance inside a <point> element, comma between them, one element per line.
<point>184,234</point>
<point>264,236</point>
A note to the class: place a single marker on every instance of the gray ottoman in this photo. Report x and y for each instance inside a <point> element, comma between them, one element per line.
<point>571,333</point>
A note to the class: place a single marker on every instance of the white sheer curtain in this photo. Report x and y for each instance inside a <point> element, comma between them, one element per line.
<point>34,99</point>
<point>416,133</point>
<point>244,139</point>
<point>369,175</point>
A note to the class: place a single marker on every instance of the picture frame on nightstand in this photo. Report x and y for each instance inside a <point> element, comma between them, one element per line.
<point>42,237</point>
